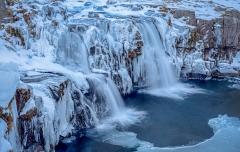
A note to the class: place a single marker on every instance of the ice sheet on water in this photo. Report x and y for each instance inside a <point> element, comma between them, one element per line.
<point>120,138</point>
<point>9,79</point>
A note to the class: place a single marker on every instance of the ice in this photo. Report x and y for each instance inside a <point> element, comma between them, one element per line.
<point>235,4</point>
<point>4,144</point>
<point>100,45</point>
<point>28,106</point>
<point>9,80</point>
<point>120,138</point>
<point>223,122</point>
<point>161,79</point>
<point>72,52</point>
<point>227,68</point>
<point>119,113</point>
<point>225,139</point>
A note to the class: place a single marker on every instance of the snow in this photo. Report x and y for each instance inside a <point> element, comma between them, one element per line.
<point>28,106</point>
<point>205,9</point>
<point>9,80</point>
<point>235,4</point>
<point>226,68</point>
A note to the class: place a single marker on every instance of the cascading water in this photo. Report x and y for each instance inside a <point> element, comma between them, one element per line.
<point>114,110</point>
<point>107,91</point>
<point>72,52</point>
<point>158,69</point>
<point>161,79</point>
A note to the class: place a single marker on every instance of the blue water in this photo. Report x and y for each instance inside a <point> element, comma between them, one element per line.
<point>171,122</point>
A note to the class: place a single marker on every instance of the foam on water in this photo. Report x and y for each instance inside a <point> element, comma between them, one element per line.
<point>177,91</point>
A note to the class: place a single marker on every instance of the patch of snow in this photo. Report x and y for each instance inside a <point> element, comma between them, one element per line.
<point>226,68</point>
<point>28,106</point>
<point>235,4</point>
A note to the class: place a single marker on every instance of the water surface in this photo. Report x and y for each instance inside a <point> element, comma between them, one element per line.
<point>172,122</point>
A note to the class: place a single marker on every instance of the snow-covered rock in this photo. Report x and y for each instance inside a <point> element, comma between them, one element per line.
<point>46,108</point>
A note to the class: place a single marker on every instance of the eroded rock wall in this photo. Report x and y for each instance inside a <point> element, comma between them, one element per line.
<point>211,47</point>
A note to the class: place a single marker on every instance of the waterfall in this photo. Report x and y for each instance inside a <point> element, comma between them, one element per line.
<point>112,110</point>
<point>72,52</point>
<point>159,73</point>
<point>160,77</point>
<point>107,90</point>
<point>107,104</point>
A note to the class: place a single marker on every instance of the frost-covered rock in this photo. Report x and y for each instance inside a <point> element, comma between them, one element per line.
<point>45,108</point>
<point>216,38</point>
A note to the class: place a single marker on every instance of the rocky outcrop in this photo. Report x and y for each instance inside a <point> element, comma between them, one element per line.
<point>211,45</point>
<point>45,111</point>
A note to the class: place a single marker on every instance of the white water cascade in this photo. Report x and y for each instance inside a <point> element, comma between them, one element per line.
<point>107,91</point>
<point>159,72</point>
<point>72,52</point>
<point>160,76</point>
<point>108,105</point>
<point>114,107</point>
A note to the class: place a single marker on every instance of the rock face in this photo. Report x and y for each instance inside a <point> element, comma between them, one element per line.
<point>212,45</point>
<point>43,112</point>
